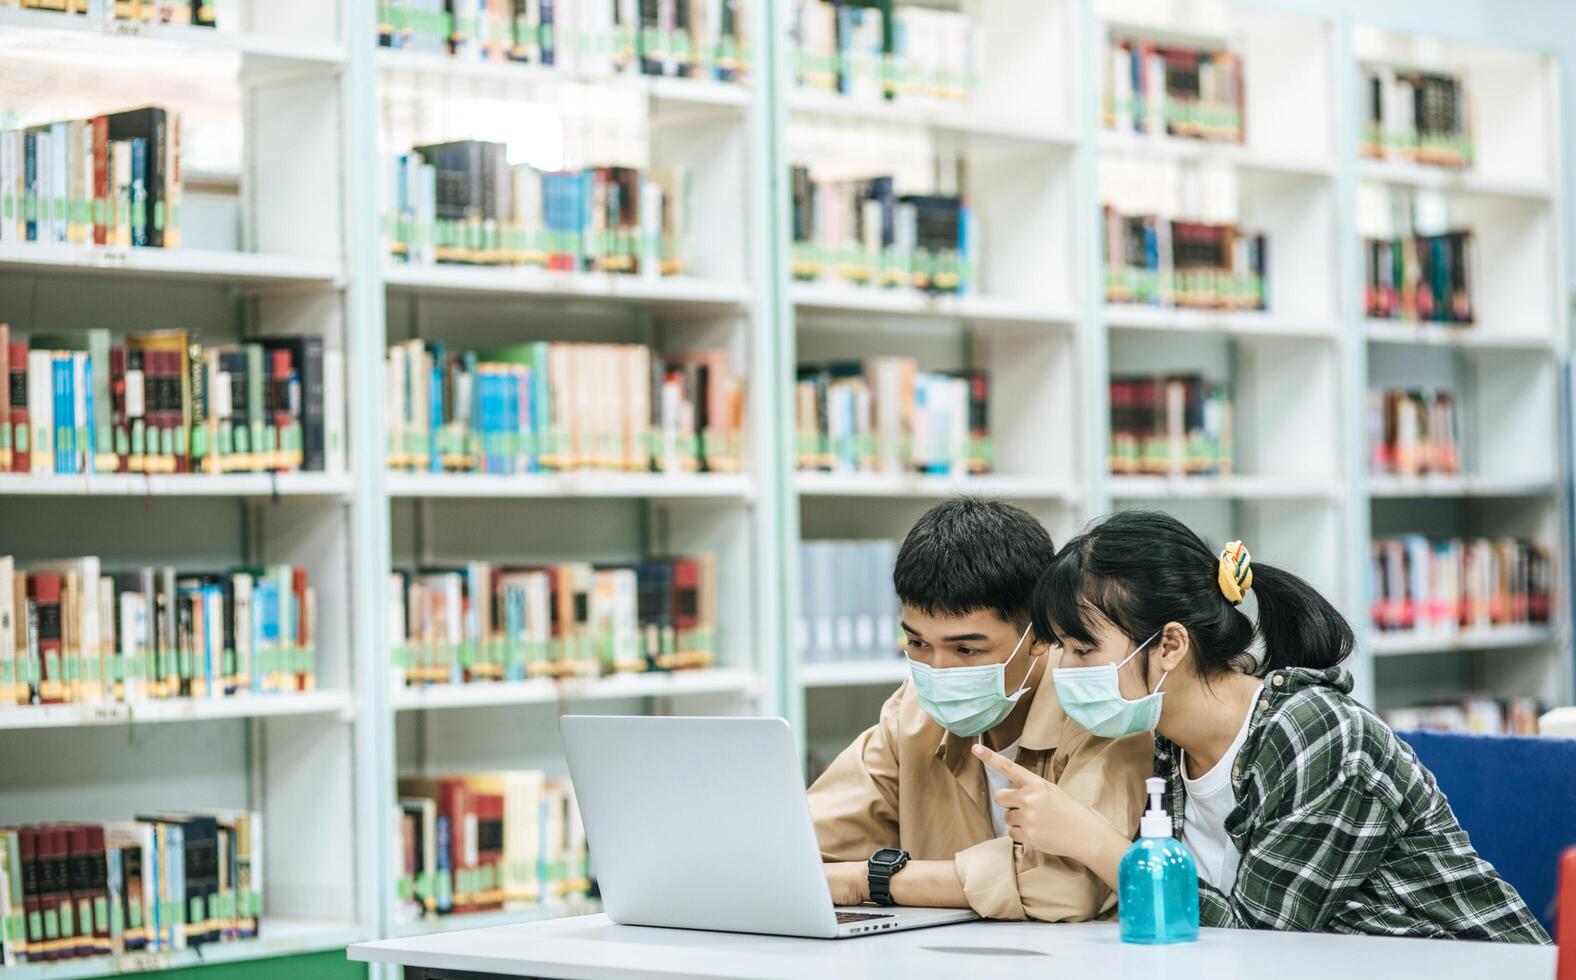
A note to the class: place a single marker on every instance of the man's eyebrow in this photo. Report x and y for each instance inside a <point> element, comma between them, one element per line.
<point>959,637</point>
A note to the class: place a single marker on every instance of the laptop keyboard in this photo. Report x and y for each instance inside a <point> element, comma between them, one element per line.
<point>844,918</point>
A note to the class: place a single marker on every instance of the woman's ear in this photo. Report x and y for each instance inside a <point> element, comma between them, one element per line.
<point>1174,645</point>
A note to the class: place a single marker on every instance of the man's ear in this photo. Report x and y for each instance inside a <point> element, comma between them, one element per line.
<point>1173,646</point>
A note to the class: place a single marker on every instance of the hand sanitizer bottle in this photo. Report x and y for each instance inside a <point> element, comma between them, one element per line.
<point>1159,882</point>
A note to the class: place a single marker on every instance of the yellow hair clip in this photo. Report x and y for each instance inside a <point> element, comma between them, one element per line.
<point>1236,571</point>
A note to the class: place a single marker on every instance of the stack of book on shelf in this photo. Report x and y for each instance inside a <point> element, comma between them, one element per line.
<point>706,39</point>
<point>111,180</point>
<point>1413,432</point>
<point>1479,715</point>
<point>161,402</point>
<point>559,407</point>
<point>1171,90</point>
<point>1155,261</point>
<point>159,883</point>
<point>928,56</point>
<point>847,609</point>
<point>1420,278</point>
<point>482,622</point>
<point>463,202</point>
<point>72,633</point>
<point>1170,426</point>
<point>885,415</point>
<point>482,842</point>
<point>1416,117</point>
<point>869,232</point>
<point>201,13</point>
<point>1444,587</point>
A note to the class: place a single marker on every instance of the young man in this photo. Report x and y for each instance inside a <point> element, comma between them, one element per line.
<point>911,789</point>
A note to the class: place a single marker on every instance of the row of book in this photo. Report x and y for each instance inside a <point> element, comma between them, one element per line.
<point>464,203</point>
<point>847,609</point>
<point>706,39</point>
<point>1171,90</point>
<point>1180,425</point>
<point>557,407</point>
<point>885,415</point>
<point>1419,117</point>
<point>1155,261</point>
<point>485,841</point>
<point>201,13</point>
<point>158,883</point>
<point>111,180</point>
<point>73,633</point>
<point>485,622</point>
<point>927,55</point>
<point>162,402</point>
<point>1479,715</point>
<point>1413,432</point>
<point>863,233</point>
<point>1443,586</point>
<point>1420,278</point>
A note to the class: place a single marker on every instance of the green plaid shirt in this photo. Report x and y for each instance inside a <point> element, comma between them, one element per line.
<point>1342,829</point>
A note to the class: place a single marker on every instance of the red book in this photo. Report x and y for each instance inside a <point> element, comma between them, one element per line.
<point>455,803</point>
<point>180,433</point>
<point>298,589</point>
<point>44,591</point>
<point>32,896</point>
<point>97,867</point>
<point>54,854</point>
<point>1565,921</point>
<point>488,808</point>
<point>119,431</point>
<point>79,889</point>
<point>278,407</point>
<point>17,385</point>
<point>101,194</point>
<point>686,595</point>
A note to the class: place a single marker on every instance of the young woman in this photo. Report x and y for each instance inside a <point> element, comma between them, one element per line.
<point>1304,811</point>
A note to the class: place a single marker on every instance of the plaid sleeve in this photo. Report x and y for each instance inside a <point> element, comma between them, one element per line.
<point>1321,830</point>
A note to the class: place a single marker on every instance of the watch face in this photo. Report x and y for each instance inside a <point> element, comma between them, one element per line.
<point>887,855</point>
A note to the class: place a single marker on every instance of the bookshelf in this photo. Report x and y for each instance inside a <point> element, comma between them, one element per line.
<point>1503,369</point>
<point>283,235</point>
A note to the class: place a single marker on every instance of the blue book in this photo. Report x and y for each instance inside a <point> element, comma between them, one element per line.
<point>89,454</point>
<point>968,233</point>
<point>435,409</point>
<point>139,191</point>
<point>511,422</point>
<point>585,195</point>
<point>265,627</point>
<point>65,414</point>
<point>492,420</point>
<point>445,883</point>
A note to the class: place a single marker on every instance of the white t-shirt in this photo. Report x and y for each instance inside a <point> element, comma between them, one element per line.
<point>995,781</point>
<point>1210,800</point>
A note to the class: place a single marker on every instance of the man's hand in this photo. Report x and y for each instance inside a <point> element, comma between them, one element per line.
<point>849,881</point>
<point>1040,813</point>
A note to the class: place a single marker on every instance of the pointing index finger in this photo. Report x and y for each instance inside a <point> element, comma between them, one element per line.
<point>1020,776</point>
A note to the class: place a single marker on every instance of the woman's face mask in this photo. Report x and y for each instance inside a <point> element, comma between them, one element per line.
<point>1092,697</point>
<point>967,701</point>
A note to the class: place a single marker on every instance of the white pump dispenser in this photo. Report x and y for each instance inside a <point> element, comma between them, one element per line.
<point>1156,821</point>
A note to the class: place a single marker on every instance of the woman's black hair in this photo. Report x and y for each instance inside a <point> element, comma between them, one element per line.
<point>1143,569</point>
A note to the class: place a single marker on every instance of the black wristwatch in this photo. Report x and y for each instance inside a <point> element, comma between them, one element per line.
<point>883,865</point>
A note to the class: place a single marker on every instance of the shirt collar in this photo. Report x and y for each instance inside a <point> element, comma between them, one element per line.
<point>1041,730</point>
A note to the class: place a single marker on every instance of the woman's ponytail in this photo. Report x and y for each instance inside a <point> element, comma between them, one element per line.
<point>1299,627</point>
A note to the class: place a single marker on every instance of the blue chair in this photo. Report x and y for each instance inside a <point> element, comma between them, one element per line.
<point>1516,798</point>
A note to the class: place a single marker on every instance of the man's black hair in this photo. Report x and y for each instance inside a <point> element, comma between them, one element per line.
<point>966,554</point>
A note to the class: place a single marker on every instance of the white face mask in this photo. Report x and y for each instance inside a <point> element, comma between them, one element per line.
<point>967,701</point>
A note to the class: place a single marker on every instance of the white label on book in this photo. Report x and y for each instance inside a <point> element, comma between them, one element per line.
<point>845,633</point>
<point>222,406</point>
<point>134,399</point>
<point>864,633</point>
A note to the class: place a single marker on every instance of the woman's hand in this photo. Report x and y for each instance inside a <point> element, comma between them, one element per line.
<point>849,881</point>
<point>1040,813</point>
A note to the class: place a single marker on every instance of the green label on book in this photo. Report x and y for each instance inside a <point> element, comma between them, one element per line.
<point>51,924</point>
<point>134,913</point>
<point>117,921</point>
<point>196,904</point>
<point>68,920</point>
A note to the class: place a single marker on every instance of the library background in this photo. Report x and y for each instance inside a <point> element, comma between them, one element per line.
<point>384,379</point>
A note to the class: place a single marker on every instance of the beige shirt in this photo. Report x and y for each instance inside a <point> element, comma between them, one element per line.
<point>909,783</point>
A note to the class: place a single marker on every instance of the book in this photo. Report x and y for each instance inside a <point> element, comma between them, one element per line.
<point>557,621</point>
<point>1442,587</point>
<point>884,415</point>
<point>1172,90</point>
<point>1179,425</point>
<point>1421,278</point>
<point>847,609</point>
<point>1155,261</point>
<point>1416,117</point>
<point>1413,432</point>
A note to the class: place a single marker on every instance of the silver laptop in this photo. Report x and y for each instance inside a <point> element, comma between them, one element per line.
<point>702,823</point>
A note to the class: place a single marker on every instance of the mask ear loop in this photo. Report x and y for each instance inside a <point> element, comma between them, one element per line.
<point>1139,649</point>
<point>1025,685</point>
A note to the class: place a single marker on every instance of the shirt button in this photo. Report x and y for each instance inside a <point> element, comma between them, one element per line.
<point>1264,704</point>
<point>1278,680</point>
<point>1236,772</point>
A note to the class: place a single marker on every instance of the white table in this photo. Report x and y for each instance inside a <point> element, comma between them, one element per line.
<point>592,948</point>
